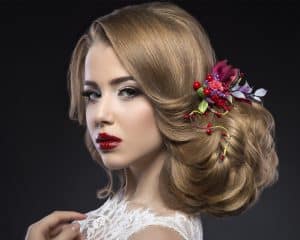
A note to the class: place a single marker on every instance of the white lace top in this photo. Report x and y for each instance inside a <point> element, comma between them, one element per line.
<point>114,221</point>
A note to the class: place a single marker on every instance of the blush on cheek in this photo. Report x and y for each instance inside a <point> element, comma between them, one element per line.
<point>146,116</point>
<point>140,120</point>
<point>148,124</point>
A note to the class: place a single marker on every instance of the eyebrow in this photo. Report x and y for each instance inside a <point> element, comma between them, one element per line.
<point>114,81</point>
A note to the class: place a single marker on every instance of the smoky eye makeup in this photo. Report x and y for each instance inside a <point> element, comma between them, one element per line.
<point>88,93</point>
<point>125,92</point>
<point>129,92</point>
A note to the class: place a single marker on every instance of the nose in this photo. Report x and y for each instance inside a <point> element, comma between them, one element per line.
<point>104,111</point>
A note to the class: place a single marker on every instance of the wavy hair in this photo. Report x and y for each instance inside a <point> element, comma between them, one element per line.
<point>165,49</point>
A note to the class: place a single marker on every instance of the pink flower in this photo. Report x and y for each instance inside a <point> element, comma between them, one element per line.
<point>227,74</point>
<point>215,85</point>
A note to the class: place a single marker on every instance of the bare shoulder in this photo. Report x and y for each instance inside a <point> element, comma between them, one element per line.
<point>156,232</point>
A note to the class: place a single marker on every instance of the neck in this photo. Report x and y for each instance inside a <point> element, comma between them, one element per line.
<point>143,181</point>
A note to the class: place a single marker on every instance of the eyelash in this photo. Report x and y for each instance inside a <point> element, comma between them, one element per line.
<point>88,93</point>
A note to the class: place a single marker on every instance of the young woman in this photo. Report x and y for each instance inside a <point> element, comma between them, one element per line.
<point>184,134</point>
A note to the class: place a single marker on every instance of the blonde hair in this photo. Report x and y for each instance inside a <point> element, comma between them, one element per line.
<point>165,49</point>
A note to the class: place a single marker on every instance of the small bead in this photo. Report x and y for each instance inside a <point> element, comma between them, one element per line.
<point>196,85</point>
<point>186,116</point>
<point>208,131</point>
<point>222,157</point>
<point>209,77</point>
<point>224,134</point>
<point>206,91</point>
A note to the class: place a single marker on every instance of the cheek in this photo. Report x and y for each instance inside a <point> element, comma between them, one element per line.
<point>140,122</point>
<point>88,119</point>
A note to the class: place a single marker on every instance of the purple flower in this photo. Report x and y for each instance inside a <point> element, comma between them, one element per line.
<point>227,74</point>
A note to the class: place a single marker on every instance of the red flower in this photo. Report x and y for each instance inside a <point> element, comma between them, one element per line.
<point>215,98</point>
<point>226,73</point>
<point>220,102</point>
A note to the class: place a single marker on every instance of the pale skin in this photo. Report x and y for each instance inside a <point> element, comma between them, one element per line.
<point>56,226</point>
<point>128,116</point>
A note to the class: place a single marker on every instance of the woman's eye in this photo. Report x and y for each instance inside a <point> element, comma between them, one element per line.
<point>90,93</point>
<point>129,92</point>
<point>125,92</point>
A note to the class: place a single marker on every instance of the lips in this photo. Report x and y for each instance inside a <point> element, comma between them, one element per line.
<point>106,137</point>
<point>107,142</point>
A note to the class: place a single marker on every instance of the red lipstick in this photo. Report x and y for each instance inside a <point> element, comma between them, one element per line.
<point>106,141</point>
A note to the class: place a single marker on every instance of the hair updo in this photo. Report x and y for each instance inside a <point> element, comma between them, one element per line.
<point>165,49</point>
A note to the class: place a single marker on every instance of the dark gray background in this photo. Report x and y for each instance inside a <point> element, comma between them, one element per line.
<point>45,166</point>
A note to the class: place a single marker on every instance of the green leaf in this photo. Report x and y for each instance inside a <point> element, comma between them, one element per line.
<point>203,106</point>
<point>200,92</point>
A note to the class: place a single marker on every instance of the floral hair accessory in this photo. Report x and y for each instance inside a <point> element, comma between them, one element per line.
<point>217,93</point>
<point>219,89</point>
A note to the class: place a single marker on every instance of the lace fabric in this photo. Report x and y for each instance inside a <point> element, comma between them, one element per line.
<point>114,221</point>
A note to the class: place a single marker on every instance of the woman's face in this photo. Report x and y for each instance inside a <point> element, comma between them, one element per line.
<point>120,109</point>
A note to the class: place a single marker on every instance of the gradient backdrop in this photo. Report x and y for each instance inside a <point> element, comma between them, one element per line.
<point>45,165</point>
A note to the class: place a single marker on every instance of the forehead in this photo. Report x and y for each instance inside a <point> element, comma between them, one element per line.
<point>101,63</point>
<point>113,82</point>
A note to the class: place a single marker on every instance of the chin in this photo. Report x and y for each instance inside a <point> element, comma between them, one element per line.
<point>114,165</point>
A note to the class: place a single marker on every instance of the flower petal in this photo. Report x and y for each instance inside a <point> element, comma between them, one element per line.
<point>246,88</point>
<point>235,87</point>
<point>229,98</point>
<point>260,92</point>
<point>234,75</point>
<point>238,94</point>
<point>256,98</point>
<point>219,65</point>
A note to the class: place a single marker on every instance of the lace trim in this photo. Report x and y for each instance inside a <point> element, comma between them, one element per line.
<point>114,221</point>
